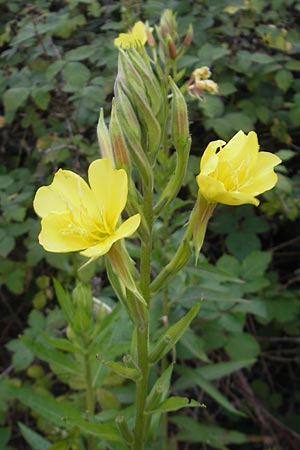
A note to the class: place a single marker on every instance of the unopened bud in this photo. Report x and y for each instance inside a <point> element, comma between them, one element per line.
<point>150,38</point>
<point>120,150</point>
<point>171,48</point>
<point>106,150</point>
<point>188,37</point>
<point>179,118</point>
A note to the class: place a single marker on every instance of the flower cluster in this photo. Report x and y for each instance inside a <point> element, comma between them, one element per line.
<point>200,82</point>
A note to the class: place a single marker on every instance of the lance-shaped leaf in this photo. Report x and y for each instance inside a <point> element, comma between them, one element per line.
<point>172,335</point>
<point>64,301</point>
<point>174,404</point>
<point>121,370</point>
<point>160,389</point>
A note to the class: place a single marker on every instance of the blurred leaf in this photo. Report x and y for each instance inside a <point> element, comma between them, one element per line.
<point>212,435</point>
<point>242,345</point>
<point>209,53</point>
<point>284,79</point>
<point>76,75</point>
<point>190,377</point>
<point>35,440</point>
<point>14,98</point>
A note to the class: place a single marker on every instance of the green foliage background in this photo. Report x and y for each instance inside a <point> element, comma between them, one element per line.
<point>58,66</point>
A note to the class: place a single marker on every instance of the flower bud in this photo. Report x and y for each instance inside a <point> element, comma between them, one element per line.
<point>106,150</point>
<point>189,36</point>
<point>179,118</point>
<point>150,38</point>
<point>171,48</point>
<point>120,150</point>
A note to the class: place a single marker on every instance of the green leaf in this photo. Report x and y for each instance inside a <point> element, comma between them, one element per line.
<point>15,281</point>
<point>121,370</point>
<point>22,357</point>
<point>189,377</point>
<point>213,106</point>
<point>262,58</point>
<point>174,404</point>
<point>209,53</point>
<point>6,181</point>
<point>76,75</point>
<point>242,345</point>
<point>59,413</point>
<point>194,344</point>
<point>14,98</point>
<point>64,301</point>
<point>284,79</point>
<point>35,440</point>
<point>80,53</point>
<point>172,335</point>
<point>255,264</point>
<point>222,369</point>
<point>41,97</point>
<point>7,243</point>
<point>58,360</point>
<point>212,435</point>
<point>5,433</point>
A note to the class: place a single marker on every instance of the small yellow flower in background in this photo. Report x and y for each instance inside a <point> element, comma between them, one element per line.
<point>199,82</point>
<point>135,37</point>
<point>237,172</point>
<point>81,217</point>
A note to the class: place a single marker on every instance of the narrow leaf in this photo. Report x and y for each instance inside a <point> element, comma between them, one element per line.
<point>172,335</point>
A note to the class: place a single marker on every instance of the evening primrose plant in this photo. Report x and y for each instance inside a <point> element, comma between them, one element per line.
<point>145,151</point>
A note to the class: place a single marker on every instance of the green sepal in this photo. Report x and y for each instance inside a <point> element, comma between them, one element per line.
<point>141,63</point>
<point>172,335</point>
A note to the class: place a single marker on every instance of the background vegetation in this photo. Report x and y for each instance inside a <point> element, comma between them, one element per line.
<point>241,358</point>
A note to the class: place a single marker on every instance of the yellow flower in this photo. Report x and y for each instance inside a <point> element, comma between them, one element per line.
<point>135,37</point>
<point>237,172</point>
<point>81,217</point>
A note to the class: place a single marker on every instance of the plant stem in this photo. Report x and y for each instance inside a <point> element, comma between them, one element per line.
<point>90,397</point>
<point>143,327</point>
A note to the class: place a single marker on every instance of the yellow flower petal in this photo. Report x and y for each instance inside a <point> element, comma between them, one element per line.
<point>101,248</point>
<point>135,37</point>
<point>241,149</point>
<point>67,192</point>
<point>125,230</point>
<point>264,177</point>
<point>128,227</point>
<point>139,32</point>
<point>59,234</point>
<point>236,198</point>
<point>110,187</point>
<point>208,161</point>
<point>210,187</point>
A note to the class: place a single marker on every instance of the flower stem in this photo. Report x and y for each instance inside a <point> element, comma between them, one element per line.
<point>143,327</point>
<point>90,397</point>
